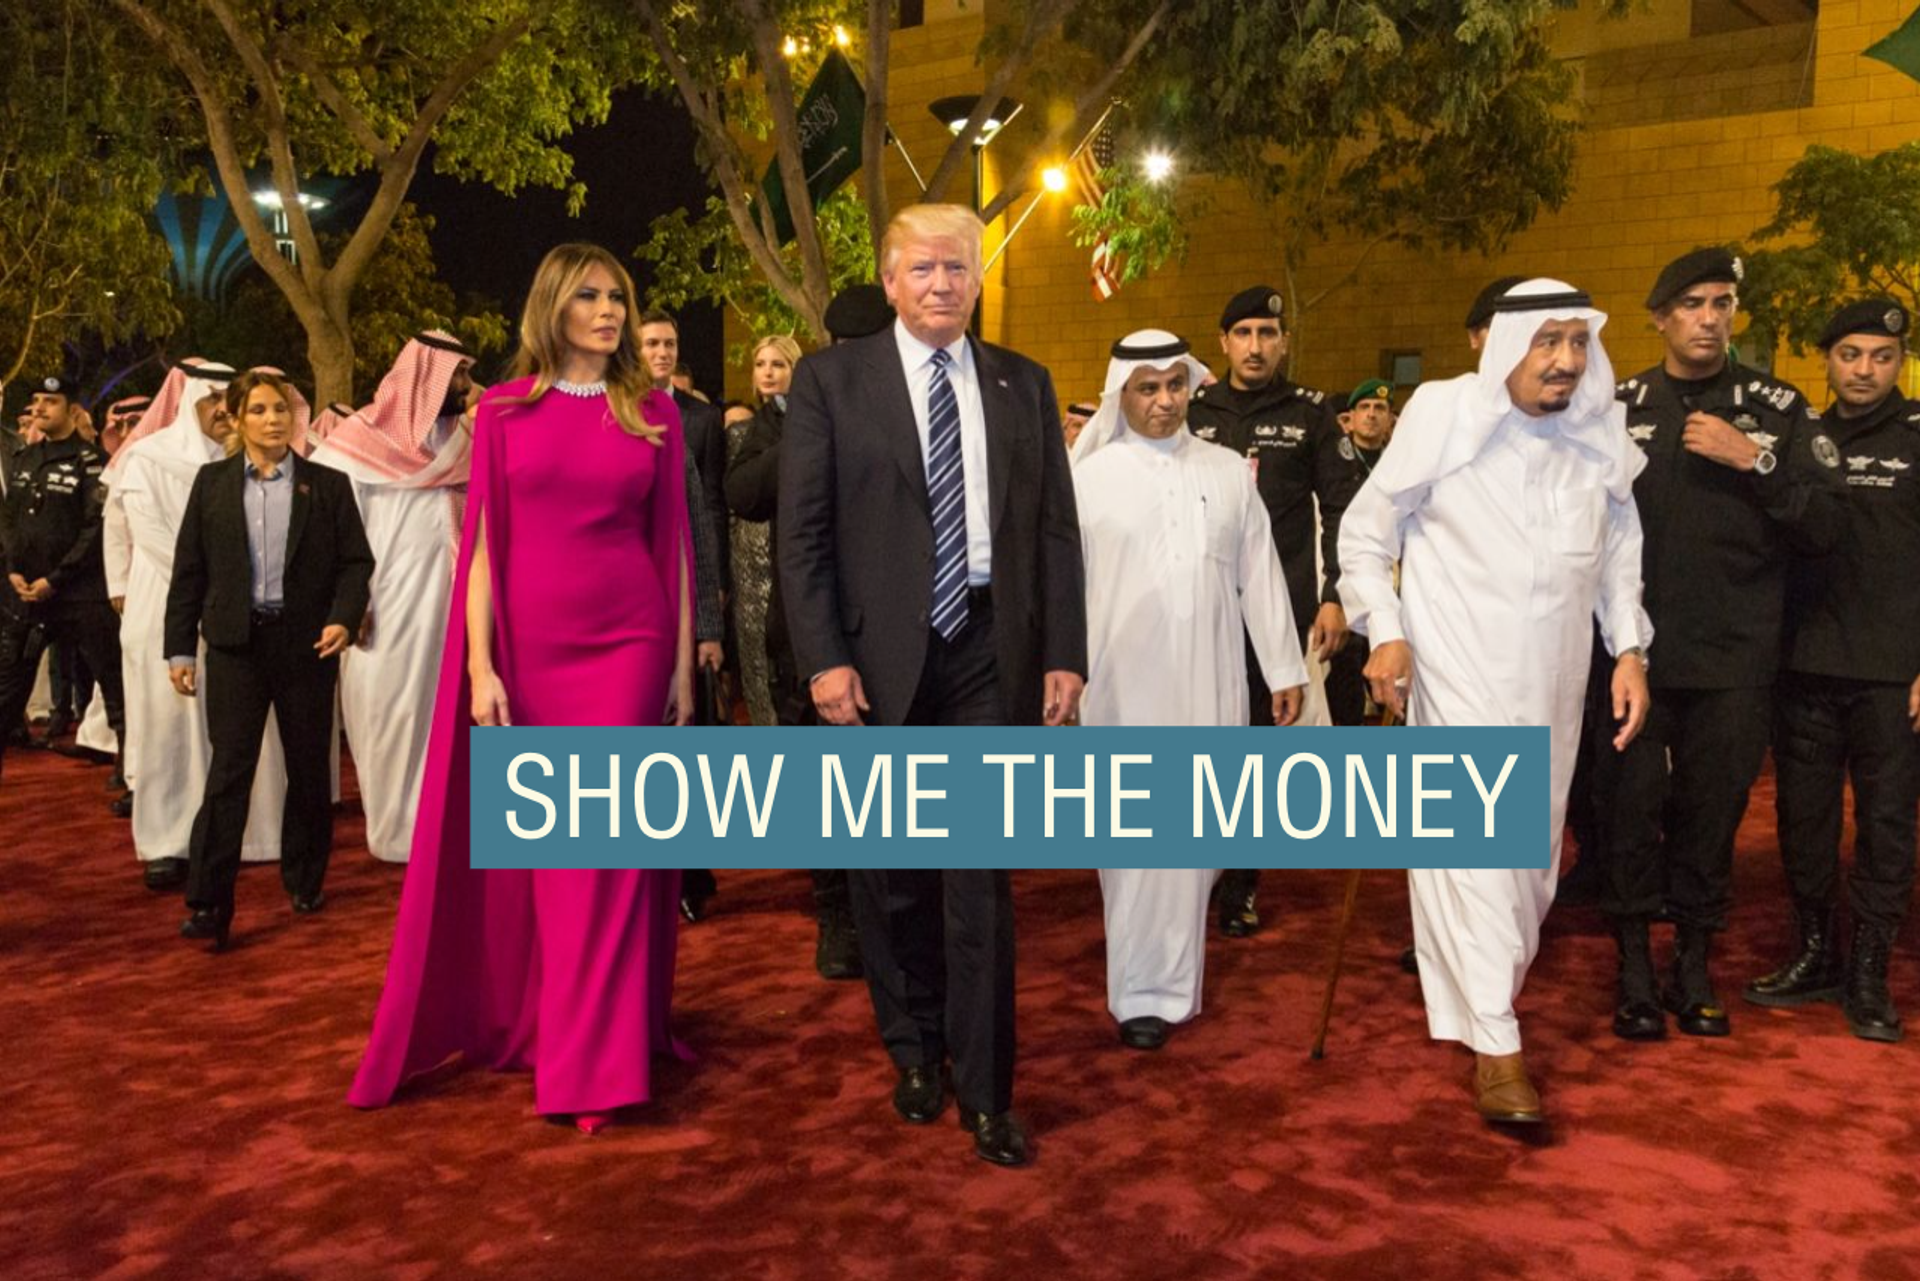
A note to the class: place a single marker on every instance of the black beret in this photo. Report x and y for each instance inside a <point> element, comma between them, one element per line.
<point>55,385</point>
<point>858,310</point>
<point>1262,302</point>
<point>1480,315</point>
<point>1702,266</point>
<point>1882,317</point>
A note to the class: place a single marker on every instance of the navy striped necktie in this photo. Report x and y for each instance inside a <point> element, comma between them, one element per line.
<point>947,494</point>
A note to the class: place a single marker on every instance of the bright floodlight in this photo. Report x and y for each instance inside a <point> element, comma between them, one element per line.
<point>1053,178</point>
<point>1158,165</point>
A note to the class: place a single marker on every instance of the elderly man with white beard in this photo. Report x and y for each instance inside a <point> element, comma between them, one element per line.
<point>1180,563</point>
<point>1507,500</point>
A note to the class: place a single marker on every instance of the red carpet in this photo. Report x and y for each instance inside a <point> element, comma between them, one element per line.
<point>171,1113</point>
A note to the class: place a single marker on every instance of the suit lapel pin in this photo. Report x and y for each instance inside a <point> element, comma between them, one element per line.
<point>304,488</point>
<point>1001,381</point>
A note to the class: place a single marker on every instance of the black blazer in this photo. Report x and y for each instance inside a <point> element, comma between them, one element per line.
<point>753,492</point>
<point>855,553</point>
<point>328,569</point>
<point>705,429</point>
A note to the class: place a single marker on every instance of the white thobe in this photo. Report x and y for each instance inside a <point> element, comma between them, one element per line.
<point>167,753</point>
<point>1505,564</point>
<point>1180,564</point>
<point>387,684</point>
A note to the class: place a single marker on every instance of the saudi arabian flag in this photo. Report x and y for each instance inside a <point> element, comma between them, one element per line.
<point>1901,50</point>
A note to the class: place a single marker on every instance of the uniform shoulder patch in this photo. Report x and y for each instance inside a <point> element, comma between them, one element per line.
<point>1346,448</point>
<point>1825,452</point>
<point>1317,397</point>
<point>1782,396</point>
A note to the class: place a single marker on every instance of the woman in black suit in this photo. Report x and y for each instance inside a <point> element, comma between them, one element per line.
<point>271,569</point>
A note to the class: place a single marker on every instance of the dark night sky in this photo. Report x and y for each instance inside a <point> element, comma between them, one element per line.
<point>636,166</point>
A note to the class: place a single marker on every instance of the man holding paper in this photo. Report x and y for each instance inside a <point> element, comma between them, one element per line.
<point>1180,562</point>
<point>1507,500</point>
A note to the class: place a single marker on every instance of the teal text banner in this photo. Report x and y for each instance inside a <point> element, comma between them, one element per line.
<point>1010,797</point>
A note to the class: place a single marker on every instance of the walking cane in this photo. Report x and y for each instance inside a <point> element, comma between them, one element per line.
<point>1333,966</point>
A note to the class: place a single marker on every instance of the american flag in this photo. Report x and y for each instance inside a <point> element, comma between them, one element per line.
<point>1096,154</point>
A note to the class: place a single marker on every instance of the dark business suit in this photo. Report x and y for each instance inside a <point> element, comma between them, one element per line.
<point>705,431</point>
<point>856,565</point>
<point>257,661</point>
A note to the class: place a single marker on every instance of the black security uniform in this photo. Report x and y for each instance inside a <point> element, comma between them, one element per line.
<point>1291,439</point>
<point>1853,657</point>
<point>1346,683</point>
<point>1718,543</point>
<point>52,530</point>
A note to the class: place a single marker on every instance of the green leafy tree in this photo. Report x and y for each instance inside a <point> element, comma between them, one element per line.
<point>83,155</point>
<point>347,87</point>
<point>1852,227</point>
<point>729,65</point>
<point>1432,124</point>
<point>400,295</point>
<point>702,260</point>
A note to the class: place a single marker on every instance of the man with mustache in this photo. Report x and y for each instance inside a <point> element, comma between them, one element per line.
<point>1507,501</point>
<point>1738,479</point>
<point>1180,567</point>
<point>1291,440</point>
<point>1850,698</point>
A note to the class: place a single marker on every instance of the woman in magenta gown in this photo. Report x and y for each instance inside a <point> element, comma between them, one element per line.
<point>571,607</point>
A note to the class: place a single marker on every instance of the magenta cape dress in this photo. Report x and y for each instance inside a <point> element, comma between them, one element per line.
<point>566,973</point>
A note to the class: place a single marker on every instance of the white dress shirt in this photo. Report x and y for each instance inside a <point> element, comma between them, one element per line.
<point>916,358</point>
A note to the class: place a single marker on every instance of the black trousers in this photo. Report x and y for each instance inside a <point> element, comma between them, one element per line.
<point>1346,687</point>
<point>69,678</point>
<point>938,945</point>
<point>276,670</point>
<point>86,627</point>
<point>1831,730</point>
<point>1677,796</point>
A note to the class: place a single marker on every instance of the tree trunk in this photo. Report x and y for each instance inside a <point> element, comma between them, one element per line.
<point>330,352</point>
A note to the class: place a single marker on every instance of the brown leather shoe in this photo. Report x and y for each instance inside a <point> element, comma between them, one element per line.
<point>1502,1091</point>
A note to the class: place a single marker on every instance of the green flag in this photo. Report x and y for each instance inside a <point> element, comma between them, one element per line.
<point>831,115</point>
<point>1901,50</point>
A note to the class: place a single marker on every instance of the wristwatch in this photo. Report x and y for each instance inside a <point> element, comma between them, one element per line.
<point>1765,463</point>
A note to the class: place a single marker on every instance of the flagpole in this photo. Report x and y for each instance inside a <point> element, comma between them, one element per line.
<point>912,168</point>
<point>1038,196</point>
<point>1001,248</point>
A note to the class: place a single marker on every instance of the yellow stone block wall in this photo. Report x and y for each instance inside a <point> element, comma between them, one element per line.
<point>1643,194</point>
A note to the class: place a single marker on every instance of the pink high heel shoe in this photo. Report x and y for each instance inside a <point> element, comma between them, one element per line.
<point>591,1123</point>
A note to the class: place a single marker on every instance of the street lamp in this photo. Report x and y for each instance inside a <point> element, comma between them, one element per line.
<point>1158,165</point>
<point>269,199</point>
<point>954,112</point>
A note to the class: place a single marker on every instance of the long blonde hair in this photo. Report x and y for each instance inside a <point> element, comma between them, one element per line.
<point>543,335</point>
<point>782,343</point>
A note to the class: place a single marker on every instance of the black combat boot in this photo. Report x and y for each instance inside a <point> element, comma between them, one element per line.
<point>1239,918</point>
<point>1869,1005</point>
<point>1638,1016</point>
<point>1813,972</point>
<point>1697,1010</point>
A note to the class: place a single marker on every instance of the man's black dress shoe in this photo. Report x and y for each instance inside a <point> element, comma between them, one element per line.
<point>836,954</point>
<point>997,1137</point>
<point>308,904</point>
<point>919,1095</point>
<point>122,806</point>
<point>1145,1033</point>
<point>116,781</point>
<point>1410,961</point>
<point>209,923</point>
<point>165,874</point>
